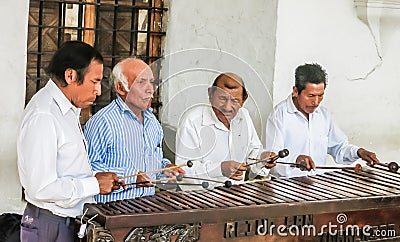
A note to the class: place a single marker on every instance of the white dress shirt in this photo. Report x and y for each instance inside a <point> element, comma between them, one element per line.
<point>289,128</point>
<point>52,161</point>
<point>205,140</point>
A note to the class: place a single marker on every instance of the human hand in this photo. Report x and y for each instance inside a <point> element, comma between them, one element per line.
<point>368,156</point>
<point>305,162</point>
<point>173,172</point>
<point>266,156</point>
<point>233,169</point>
<point>143,181</point>
<point>108,182</point>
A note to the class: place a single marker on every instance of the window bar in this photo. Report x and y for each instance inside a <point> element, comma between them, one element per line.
<point>39,54</point>
<point>155,38</point>
<point>80,20</point>
<point>148,31</point>
<point>61,22</point>
<point>114,37</point>
<point>135,32</point>
<point>96,28</point>
<point>134,25</point>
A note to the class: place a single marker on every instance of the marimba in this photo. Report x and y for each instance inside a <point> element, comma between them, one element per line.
<point>340,205</point>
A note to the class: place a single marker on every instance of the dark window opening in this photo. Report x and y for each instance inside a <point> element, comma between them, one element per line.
<point>117,28</point>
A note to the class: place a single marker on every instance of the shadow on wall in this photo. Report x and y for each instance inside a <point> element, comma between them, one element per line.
<point>169,142</point>
<point>10,227</point>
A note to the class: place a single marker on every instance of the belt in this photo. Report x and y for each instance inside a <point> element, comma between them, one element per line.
<point>47,213</point>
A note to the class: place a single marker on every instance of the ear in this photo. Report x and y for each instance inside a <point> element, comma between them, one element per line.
<point>245,97</point>
<point>295,92</point>
<point>70,75</point>
<point>119,87</point>
<point>209,93</point>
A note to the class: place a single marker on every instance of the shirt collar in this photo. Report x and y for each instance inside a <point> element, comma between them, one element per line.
<point>122,105</point>
<point>61,100</point>
<point>290,105</point>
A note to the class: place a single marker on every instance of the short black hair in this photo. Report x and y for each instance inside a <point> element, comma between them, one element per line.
<point>231,76</point>
<point>74,54</point>
<point>309,73</point>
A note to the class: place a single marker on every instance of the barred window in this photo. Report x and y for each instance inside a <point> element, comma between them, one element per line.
<point>117,28</point>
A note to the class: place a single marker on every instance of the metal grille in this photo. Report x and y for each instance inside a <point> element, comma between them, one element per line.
<point>117,28</point>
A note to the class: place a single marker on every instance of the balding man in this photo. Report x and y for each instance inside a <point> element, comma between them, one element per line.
<point>125,137</point>
<point>219,138</point>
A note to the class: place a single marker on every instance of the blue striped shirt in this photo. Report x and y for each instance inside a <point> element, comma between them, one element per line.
<point>118,142</point>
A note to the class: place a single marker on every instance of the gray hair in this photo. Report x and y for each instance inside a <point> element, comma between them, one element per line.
<point>117,76</point>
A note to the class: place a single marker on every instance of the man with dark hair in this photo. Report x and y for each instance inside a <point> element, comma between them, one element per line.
<point>52,160</point>
<point>221,138</point>
<point>307,130</point>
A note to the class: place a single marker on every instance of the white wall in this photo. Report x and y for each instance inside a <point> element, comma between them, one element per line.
<point>205,38</point>
<point>362,62</point>
<point>14,21</point>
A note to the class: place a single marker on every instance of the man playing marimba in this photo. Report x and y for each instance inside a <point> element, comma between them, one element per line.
<point>304,127</point>
<point>220,138</point>
<point>125,137</point>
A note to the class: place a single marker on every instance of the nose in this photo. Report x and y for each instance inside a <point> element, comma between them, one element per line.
<point>228,105</point>
<point>97,89</point>
<point>150,88</point>
<point>316,101</point>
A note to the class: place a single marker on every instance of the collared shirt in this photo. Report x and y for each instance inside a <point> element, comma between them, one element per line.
<point>289,128</point>
<point>52,161</point>
<point>207,142</point>
<point>120,143</point>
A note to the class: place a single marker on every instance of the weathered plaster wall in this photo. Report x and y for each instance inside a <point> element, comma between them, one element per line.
<point>12,98</point>
<point>205,38</point>
<point>357,46</point>
<point>361,58</point>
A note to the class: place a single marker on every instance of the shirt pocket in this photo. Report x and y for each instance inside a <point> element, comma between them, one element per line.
<point>29,232</point>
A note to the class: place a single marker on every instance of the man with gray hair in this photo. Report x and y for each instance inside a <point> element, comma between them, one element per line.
<point>125,137</point>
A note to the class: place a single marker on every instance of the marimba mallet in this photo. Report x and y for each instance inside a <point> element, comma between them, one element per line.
<point>281,154</point>
<point>204,184</point>
<point>152,181</point>
<point>303,165</point>
<point>188,164</point>
<point>227,184</point>
<point>159,182</point>
<point>393,166</point>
